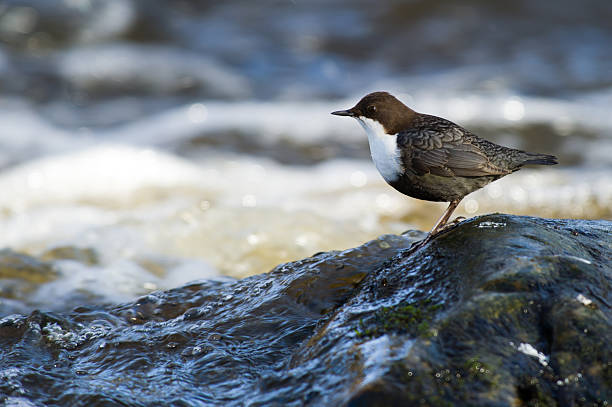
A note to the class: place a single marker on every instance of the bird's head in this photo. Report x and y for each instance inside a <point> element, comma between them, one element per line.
<point>383,108</point>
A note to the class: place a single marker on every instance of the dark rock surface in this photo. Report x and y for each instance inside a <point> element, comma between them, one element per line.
<point>500,311</point>
<point>21,275</point>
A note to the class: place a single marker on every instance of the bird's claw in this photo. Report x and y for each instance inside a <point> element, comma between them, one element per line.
<point>451,224</point>
<point>420,243</point>
<point>456,221</point>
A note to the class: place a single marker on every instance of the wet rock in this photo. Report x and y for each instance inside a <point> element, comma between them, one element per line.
<point>20,275</point>
<point>18,265</point>
<point>499,311</point>
<point>85,255</point>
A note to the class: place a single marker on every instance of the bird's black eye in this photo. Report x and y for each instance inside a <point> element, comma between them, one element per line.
<point>371,109</point>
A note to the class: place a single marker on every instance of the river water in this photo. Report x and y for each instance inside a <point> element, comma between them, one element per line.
<point>182,140</point>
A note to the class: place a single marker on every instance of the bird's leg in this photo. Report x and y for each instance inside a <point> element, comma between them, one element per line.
<point>439,224</point>
<point>444,218</point>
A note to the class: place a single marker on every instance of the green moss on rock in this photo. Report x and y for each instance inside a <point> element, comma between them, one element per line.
<point>410,318</point>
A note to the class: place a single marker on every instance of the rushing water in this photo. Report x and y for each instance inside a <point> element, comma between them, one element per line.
<point>183,140</point>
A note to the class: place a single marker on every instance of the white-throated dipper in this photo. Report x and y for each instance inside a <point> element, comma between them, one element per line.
<point>431,158</point>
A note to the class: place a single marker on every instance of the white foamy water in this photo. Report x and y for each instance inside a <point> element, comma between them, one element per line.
<point>124,190</point>
<point>529,350</point>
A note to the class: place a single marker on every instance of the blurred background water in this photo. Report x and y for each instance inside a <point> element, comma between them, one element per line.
<point>174,140</point>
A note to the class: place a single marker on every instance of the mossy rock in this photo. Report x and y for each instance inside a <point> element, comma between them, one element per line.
<point>516,315</point>
<point>15,265</point>
<point>85,255</point>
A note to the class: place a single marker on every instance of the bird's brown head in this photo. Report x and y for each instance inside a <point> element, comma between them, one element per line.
<point>385,109</point>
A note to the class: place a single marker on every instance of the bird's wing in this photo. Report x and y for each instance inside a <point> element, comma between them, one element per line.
<point>437,146</point>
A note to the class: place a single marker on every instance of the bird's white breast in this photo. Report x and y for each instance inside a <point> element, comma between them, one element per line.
<point>383,148</point>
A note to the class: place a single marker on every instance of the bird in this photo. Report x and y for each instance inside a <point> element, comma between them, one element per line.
<point>431,158</point>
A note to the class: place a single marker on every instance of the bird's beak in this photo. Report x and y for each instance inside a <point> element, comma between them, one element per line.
<point>348,112</point>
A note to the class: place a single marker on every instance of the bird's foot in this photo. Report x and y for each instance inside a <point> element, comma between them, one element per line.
<point>455,222</point>
<point>418,244</point>
<point>450,225</point>
<point>459,219</point>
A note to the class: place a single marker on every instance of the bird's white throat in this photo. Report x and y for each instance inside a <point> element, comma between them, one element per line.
<point>383,148</point>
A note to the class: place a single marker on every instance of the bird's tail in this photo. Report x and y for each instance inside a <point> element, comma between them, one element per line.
<point>540,159</point>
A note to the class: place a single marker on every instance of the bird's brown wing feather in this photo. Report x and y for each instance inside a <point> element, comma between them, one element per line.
<point>442,148</point>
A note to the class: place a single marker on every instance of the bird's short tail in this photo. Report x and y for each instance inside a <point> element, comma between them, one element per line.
<point>540,159</point>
